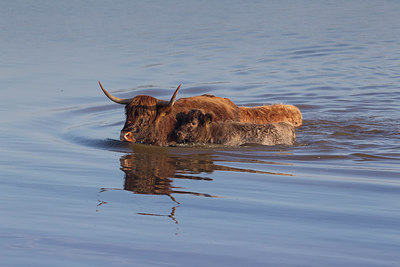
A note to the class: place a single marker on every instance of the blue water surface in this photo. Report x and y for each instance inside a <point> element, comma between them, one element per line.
<point>73,195</point>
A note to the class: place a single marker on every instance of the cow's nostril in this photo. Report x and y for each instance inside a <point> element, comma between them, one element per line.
<point>180,135</point>
<point>128,137</point>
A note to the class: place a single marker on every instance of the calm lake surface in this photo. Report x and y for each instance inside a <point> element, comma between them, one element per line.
<point>73,195</point>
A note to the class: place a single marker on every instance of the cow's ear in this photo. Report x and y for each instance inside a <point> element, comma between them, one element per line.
<point>208,118</point>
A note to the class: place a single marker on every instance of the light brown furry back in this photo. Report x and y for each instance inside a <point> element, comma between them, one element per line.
<point>222,108</point>
<point>271,114</point>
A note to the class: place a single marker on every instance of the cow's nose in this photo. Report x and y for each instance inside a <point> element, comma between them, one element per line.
<point>128,137</point>
<point>179,134</point>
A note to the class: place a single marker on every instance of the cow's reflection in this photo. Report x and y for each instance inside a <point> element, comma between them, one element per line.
<point>153,170</point>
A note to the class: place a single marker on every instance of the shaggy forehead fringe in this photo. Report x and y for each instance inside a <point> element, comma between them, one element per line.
<point>141,104</point>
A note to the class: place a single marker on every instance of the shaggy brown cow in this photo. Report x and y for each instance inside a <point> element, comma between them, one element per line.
<point>199,127</point>
<point>153,121</point>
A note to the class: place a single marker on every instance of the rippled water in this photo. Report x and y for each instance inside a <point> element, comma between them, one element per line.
<point>73,195</point>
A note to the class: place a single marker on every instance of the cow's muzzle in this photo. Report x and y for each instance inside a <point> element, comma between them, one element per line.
<point>180,136</point>
<point>127,137</point>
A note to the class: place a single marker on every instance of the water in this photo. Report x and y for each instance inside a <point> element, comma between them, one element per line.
<point>73,195</point>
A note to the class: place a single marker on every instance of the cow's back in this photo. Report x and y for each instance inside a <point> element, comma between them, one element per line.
<point>271,114</point>
<point>222,109</point>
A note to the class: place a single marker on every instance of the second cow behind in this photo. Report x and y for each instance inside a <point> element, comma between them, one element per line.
<point>199,127</point>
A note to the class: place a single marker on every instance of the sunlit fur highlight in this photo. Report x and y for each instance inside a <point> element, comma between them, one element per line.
<point>271,114</point>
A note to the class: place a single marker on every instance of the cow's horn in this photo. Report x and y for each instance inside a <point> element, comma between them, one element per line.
<point>123,101</point>
<point>172,101</point>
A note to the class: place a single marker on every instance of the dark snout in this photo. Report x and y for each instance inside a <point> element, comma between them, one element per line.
<point>180,136</point>
<point>127,137</point>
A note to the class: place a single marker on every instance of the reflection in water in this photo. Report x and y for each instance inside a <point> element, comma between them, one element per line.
<point>172,215</point>
<point>152,170</point>
<point>149,171</point>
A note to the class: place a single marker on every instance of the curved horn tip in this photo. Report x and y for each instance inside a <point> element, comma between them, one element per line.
<point>101,86</point>
<point>172,101</point>
<point>179,87</point>
<point>176,91</point>
<point>113,98</point>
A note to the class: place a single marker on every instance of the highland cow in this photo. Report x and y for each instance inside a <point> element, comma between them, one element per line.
<point>152,121</point>
<point>199,127</point>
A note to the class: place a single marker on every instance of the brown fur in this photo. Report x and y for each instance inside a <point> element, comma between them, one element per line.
<point>199,128</point>
<point>271,114</point>
<point>150,121</point>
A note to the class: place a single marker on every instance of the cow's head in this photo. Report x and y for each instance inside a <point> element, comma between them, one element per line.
<point>194,126</point>
<point>143,114</point>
